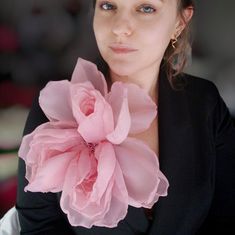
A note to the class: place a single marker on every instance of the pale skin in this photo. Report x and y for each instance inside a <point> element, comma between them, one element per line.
<point>132,37</point>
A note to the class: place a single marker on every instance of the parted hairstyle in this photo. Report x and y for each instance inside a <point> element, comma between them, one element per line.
<point>176,58</point>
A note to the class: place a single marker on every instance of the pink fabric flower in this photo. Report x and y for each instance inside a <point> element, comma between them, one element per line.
<point>84,150</point>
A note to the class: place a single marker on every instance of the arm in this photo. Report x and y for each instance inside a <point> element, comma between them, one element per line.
<point>222,214</point>
<point>39,213</point>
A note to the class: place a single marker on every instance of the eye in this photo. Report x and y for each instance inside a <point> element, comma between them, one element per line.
<point>106,6</point>
<point>146,9</point>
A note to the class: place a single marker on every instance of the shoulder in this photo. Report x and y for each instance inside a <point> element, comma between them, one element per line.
<point>199,85</point>
<point>200,90</point>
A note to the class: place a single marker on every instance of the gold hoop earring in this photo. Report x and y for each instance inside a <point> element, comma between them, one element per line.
<point>173,42</point>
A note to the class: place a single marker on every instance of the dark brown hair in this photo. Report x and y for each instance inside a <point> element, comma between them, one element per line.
<point>176,58</point>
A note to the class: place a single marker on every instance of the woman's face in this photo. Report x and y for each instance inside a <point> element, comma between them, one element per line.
<point>132,35</point>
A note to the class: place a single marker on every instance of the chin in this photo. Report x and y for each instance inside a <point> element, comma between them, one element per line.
<point>121,68</point>
<point>122,72</point>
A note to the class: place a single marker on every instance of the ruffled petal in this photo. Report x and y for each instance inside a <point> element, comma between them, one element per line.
<point>68,193</point>
<point>119,202</point>
<point>86,71</point>
<point>107,203</point>
<point>106,159</point>
<point>86,175</point>
<point>142,108</point>
<point>25,146</point>
<point>47,140</point>
<point>142,175</point>
<point>83,168</point>
<point>93,195</point>
<point>77,218</point>
<point>50,176</point>
<point>118,99</point>
<point>98,124</point>
<point>55,101</point>
<point>82,100</point>
<point>76,204</point>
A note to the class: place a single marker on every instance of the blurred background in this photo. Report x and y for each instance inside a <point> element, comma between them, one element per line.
<point>40,40</point>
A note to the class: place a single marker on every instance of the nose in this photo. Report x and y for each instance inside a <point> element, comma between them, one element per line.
<point>122,26</point>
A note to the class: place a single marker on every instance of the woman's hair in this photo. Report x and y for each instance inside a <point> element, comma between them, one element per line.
<point>175,59</point>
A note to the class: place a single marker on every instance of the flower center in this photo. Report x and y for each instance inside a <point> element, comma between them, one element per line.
<point>91,147</point>
<point>87,106</point>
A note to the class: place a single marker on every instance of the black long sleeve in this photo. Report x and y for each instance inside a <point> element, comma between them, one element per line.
<point>221,217</point>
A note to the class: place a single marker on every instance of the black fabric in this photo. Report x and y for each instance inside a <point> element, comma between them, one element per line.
<point>197,154</point>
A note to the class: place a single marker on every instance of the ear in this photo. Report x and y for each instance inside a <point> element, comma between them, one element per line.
<point>182,21</point>
<point>187,14</point>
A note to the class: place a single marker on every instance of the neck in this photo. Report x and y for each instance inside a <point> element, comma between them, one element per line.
<point>147,81</point>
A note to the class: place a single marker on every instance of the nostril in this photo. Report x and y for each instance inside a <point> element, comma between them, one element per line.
<point>122,29</point>
<point>122,25</point>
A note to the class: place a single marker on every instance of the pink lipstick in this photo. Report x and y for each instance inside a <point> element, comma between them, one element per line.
<point>122,48</point>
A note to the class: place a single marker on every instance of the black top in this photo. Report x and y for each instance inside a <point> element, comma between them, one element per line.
<point>197,155</point>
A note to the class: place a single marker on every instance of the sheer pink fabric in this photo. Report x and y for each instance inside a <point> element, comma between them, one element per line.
<point>85,152</point>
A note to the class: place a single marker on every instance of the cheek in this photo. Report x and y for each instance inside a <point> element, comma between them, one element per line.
<point>99,31</point>
<point>100,25</point>
<point>97,27</point>
<point>102,37</point>
<point>158,37</point>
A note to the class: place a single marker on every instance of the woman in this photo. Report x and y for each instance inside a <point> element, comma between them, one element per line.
<point>144,43</point>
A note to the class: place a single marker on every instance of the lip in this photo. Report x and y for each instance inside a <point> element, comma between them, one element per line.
<point>122,48</point>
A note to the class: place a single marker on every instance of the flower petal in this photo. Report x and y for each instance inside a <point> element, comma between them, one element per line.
<point>84,165</point>
<point>119,201</point>
<point>87,71</point>
<point>81,100</point>
<point>75,201</point>
<point>48,137</point>
<point>106,158</point>
<point>50,176</point>
<point>92,198</point>
<point>25,146</point>
<point>98,124</point>
<point>144,179</point>
<point>142,108</point>
<point>55,101</point>
<point>118,99</point>
<point>108,202</point>
<point>85,172</point>
<point>76,217</point>
<point>46,142</point>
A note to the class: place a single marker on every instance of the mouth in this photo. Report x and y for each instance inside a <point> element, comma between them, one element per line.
<point>122,49</point>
